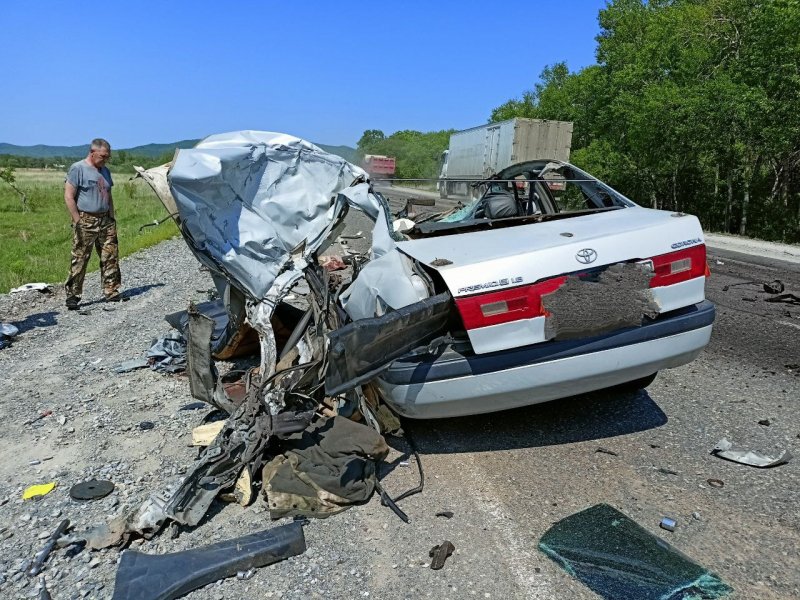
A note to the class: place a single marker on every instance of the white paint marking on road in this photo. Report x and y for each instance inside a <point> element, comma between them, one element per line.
<point>535,586</point>
<point>795,325</point>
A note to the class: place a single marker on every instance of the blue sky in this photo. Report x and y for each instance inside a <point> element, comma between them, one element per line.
<point>140,72</point>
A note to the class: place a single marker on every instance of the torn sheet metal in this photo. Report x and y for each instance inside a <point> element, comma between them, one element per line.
<point>724,449</point>
<point>240,194</point>
<point>386,282</point>
<point>617,558</point>
<point>362,349</point>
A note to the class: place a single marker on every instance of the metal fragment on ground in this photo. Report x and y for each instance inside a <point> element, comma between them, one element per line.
<point>724,449</point>
<point>41,557</point>
<point>440,553</point>
<point>668,524</point>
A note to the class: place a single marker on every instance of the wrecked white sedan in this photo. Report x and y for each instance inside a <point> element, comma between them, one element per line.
<point>549,285</point>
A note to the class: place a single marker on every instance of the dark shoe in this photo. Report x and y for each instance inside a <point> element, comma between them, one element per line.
<point>73,302</point>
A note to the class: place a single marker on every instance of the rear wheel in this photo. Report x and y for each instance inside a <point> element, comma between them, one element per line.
<point>637,384</point>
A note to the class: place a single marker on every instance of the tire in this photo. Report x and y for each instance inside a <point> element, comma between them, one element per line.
<point>636,384</point>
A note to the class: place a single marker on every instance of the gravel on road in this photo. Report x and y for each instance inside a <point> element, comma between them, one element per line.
<point>506,477</point>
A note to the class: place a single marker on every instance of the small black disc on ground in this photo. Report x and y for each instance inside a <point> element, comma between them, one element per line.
<point>91,490</point>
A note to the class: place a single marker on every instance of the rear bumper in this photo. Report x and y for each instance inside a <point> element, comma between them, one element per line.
<point>455,384</point>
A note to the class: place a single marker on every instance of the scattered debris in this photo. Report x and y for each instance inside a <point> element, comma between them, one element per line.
<point>41,489</point>
<point>43,415</point>
<point>664,471</point>
<point>332,263</point>
<point>723,449</point>
<point>131,365</point>
<point>668,524</point>
<point>447,514</point>
<point>765,422</point>
<point>617,558</point>
<point>716,483</point>
<point>146,425</point>
<point>31,287</point>
<point>8,330</point>
<point>7,333</point>
<point>602,450</point>
<point>774,287</point>
<point>787,298</point>
<point>41,557</point>
<point>168,353</point>
<point>440,553</point>
<point>168,576</point>
<point>93,489</point>
<point>245,575</point>
<point>194,406</point>
<point>44,593</point>
<point>326,469</point>
<point>203,435</point>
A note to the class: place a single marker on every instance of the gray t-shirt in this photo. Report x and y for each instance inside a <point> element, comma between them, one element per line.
<point>93,185</point>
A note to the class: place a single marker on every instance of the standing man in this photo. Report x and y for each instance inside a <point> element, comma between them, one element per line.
<point>87,194</point>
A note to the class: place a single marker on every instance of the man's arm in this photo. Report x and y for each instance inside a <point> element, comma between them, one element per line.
<point>70,193</point>
<point>110,204</point>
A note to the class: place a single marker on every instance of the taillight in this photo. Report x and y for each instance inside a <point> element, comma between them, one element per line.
<point>525,302</point>
<point>678,266</point>
<point>504,306</point>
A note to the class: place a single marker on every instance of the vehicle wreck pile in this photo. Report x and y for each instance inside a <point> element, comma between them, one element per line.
<point>303,424</point>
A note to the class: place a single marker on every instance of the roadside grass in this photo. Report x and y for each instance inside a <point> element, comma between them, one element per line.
<point>35,245</point>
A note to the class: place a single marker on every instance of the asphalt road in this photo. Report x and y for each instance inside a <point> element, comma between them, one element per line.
<point>509,476</point>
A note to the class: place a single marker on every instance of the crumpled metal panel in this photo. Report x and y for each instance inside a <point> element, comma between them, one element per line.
<point>250,200</point>
<point>386,282</point>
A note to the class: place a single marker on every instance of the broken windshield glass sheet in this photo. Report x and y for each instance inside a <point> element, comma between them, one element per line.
<point>616,558</point>
<point>724,449</point>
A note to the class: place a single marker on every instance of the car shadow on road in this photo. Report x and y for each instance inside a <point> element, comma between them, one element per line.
<point>43,319</point>
<point>593,416</point>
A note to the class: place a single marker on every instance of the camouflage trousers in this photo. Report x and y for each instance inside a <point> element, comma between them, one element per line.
<point>100,232</point>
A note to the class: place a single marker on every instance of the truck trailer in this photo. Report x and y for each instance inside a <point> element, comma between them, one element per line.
<point>378,166</point>
<point>480,152</point>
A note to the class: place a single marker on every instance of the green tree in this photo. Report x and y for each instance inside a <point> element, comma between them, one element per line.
<point>9,177</point>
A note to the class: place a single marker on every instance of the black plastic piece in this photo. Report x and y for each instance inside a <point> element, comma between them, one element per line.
<point>167,576</point>
<point>91,490</point>
<point>363,348</point>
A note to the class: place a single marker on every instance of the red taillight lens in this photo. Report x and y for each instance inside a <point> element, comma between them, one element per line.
<point>524,302</point>
<point>679,266</point>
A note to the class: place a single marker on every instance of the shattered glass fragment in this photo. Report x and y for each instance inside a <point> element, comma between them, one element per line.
<point>617,558</point>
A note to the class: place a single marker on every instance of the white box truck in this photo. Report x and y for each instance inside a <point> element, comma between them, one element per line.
<point>480,152</point>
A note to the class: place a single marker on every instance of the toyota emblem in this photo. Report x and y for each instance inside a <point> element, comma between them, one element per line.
<point>586,256</point>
